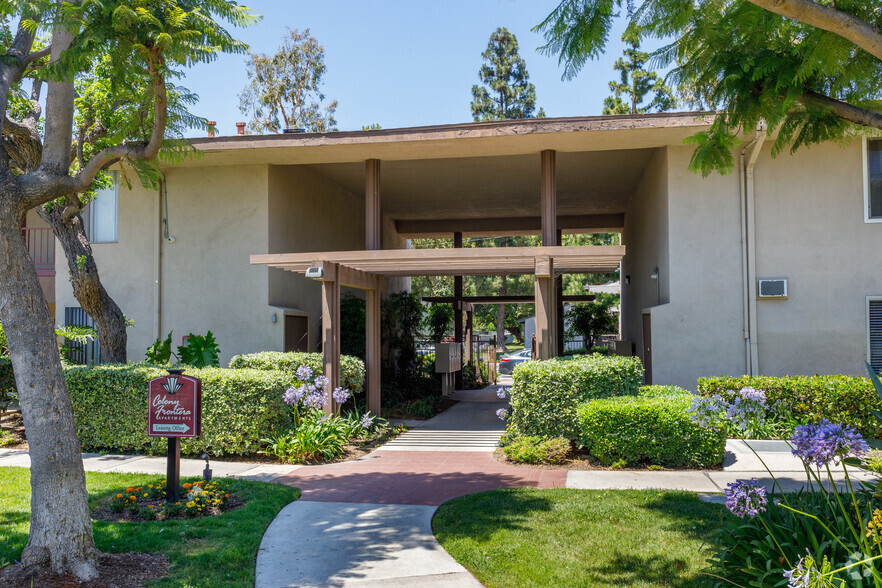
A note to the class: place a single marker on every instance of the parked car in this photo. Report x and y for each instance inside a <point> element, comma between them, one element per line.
<point>508,362</point>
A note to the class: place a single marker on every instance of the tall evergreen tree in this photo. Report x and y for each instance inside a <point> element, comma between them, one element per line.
<point>506,92</point>
<point>636,82</point>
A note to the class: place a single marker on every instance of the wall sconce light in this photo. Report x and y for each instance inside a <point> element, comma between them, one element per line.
<point>654,276</point>
<point>628,280</point>
<point>274,318</point>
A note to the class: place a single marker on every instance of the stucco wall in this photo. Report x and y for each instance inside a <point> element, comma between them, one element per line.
<point>645,237</point>
<point>308,212</point>
<point>811,230</point>
<point>218,216</point>
<point>700,332</point>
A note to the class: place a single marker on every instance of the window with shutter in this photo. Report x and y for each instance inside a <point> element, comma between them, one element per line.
<point>874,316</point>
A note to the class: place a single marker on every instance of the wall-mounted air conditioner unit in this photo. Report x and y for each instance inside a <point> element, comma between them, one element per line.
<point>772,288</point>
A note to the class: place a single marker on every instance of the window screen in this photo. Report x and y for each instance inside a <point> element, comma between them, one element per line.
<point>874,169</point>
<point>102,215</point>
<point>876,334</point>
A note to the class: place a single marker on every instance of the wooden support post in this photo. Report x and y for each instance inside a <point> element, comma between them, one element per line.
<point>372,351</point>
<point>558,289</point>
<point>469,334</point>
<point>372,225</point>
<point>548,198</point>
<point>457,308</point>
<point>331,333</point>
<point>546,308</point>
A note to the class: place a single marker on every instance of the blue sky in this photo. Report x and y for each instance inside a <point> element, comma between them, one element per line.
<point>403,63</point>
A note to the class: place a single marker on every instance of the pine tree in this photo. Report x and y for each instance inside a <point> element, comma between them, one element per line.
<point>636,83</point>
<point>506,92</point>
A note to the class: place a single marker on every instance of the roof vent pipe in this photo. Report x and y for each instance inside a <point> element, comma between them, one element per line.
<point>210,127</point>
<point>240,128</point>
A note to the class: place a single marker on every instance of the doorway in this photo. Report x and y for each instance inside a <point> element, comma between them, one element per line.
<point>296,333</point>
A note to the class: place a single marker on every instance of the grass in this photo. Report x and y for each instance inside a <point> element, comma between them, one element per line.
<point>212,551</point>
<point>564,537</point>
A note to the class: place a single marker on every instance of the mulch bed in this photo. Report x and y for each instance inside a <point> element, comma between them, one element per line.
<point>11,423</point>
<point>115,570</point>
<point>582,462</point>
<point>104,513</point>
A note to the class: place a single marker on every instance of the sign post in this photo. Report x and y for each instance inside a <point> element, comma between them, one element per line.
<point>174,411</point>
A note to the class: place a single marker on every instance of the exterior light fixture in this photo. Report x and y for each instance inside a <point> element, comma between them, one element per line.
<point>654,276</point>
<point>274,318</point>
<point>316,273</point>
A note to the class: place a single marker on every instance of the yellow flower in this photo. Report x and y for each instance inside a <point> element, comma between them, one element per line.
<point>150,485</point>
<point>146,495</point>
<point>191,504</point>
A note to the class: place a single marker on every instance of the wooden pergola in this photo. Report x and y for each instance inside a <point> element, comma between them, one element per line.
<point>367,269</point>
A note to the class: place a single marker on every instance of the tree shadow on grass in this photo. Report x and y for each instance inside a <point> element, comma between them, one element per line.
<point>645,569</point>
<point>478,516</point>
<point>13,535</point>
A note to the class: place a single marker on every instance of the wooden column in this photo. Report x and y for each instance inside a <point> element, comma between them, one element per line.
<point>372,224</point>
<point>546,308</point>
<point>372,350</point>
<point>548,198</point>
<point>331,333</point>
<point>558,290</point>
<point>457,309</point>
<point>469,333</point>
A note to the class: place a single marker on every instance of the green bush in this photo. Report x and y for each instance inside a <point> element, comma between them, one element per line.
<point>545,394</point>
<point>535,449</point>
<point>654,430</point>
<point>808,399</point>
<point>7,379</point>
<point>351,368</point>
<point>657,391</point>
<point>239,407</point>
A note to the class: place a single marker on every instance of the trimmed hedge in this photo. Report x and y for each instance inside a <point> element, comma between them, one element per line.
<point>7,378</point>
<point>649,430</point>
<point>545,394</point>
<point>239,407</point>
<point>351,368</point>
<point>842,399</point>
<point>657,391</point>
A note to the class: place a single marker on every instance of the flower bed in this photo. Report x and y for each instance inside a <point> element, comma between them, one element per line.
<point>148,502</point>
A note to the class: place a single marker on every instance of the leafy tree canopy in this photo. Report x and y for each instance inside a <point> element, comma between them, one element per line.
<point>505,92</point>
<point>287,85</point>
<point>812,71</point>
<point>636,82</point>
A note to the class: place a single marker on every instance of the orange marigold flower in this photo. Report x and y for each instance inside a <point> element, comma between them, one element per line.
<point>138,489</point>
<point>133,498</point>
<point>119,495</point>
<point>187,486</point>
<point>226,495</point>
<point>130,489</point>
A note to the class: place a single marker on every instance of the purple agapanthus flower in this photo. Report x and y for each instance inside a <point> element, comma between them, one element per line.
<point>294,395</point>
<point>320,382</point>
<point>706,410</point>
<point>315,399</point>
<point>824,442</point>
<point>304,373</point>
<point>753,395</point>
<point>502,414</point>
<point>801,575</point>
<point>502,392</point>
<point>340,395</point>
<point>746,498</point>
<point>746,411</point>
<point>366,421</point>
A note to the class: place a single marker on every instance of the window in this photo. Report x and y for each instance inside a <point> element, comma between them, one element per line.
<point>101,221</point>
<point>873,180</point>
<point>874,332</point>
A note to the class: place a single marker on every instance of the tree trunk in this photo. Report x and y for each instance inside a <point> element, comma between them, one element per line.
<point>500,317</point>
<point>61,531</point>
<point>110,323</point>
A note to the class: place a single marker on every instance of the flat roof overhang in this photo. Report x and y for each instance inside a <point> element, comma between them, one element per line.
<point>457,262</point>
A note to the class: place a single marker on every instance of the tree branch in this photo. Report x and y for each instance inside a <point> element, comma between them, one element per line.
<point>830,19</point>
<point>846,111</point>
<point>36,56</point>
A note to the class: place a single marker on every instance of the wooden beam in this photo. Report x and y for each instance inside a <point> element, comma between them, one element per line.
<point>548,198</point>
<point>507,299</point>
<point>508,226</point>
<point>331,338</point>
<point>546,313</point>
<point>372,211</point>
<point>372,351</point>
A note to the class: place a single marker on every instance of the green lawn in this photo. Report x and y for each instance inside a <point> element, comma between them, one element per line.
<point>209,552</point>
<point>565,537</point>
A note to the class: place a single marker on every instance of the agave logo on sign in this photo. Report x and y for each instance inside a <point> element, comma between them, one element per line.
<point>175,406</point>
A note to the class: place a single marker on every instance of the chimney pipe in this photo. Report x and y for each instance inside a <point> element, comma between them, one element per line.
<point>240,128</point>
<point>210,127</point>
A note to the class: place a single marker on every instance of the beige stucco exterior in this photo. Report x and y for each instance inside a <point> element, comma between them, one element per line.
<point>255,195</point>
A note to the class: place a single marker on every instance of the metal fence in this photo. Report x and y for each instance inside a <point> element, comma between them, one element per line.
<point>41,245</point>
<point>84,353</point>
<point>483,355</point>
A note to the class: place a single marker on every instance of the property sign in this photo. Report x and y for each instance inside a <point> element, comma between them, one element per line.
<point>175,407</point>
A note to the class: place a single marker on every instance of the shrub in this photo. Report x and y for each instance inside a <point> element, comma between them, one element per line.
<point>351,368</point>
<point>7,382</point>
<point>239,407</point>
<point>535,449</point>
<point>808,399</point>
<point>653,430</point>
<point>545,394</point>
<point>663,392</point>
